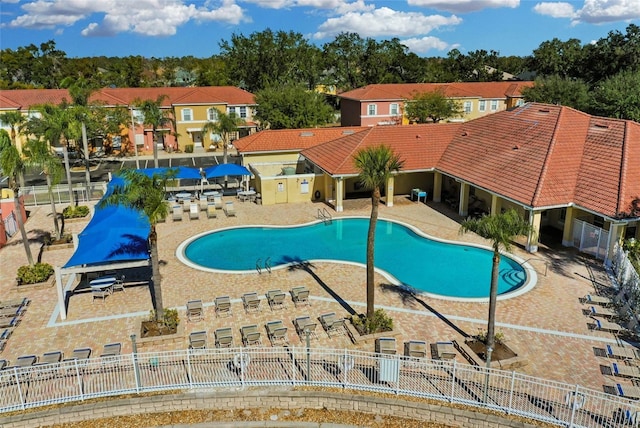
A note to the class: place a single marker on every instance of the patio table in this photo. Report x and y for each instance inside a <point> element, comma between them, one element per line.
<point>246,194</point>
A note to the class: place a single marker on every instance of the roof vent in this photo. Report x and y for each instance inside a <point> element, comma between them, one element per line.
<point>601,125</point>
<point>464,133</point>
<point>544,110</point>
<point>418,136</point>
<point>306,134</point>
<point>516,147</point>
<point>348,132</point>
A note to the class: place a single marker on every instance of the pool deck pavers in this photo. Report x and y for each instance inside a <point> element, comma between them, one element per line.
<point>546,325</point>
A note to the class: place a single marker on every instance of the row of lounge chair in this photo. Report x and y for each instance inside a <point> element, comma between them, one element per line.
<point>250,336</point>
<point>11,312</point>
<point>54,357</point>
<point>211,208</point>
<point>276,299</point>
<point>416,348</point>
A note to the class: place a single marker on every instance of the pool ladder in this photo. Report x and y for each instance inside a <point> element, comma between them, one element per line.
<point>267,265</point>
<point>324,215</point>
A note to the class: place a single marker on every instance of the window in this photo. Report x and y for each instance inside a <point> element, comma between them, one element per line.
<point>372,110</point>
<point>231,110</point>
<point>468,107</point>
<point>520,102</point>
<point>243,112</point>
<point>482,105</point>
<point>187,114</point>
<point>393,109</point>
<point>212,114</point>
<point>138,116</point>
<point>494,105</point>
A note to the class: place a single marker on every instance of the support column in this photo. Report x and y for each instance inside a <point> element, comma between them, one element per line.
<point>339,183</point>
<point>464,200</point>
<point>496,204</point>
<point>616,232</point>
<point>60,289</point>
<point>389,191</point>
<point>567,231</point>
<point>532,241</point>
<point>437,186</point>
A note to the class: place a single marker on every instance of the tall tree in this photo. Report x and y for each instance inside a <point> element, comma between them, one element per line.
<point>291,107</point>
<point>375,166</point>
<point>12,165</point>
<point>155,116</point>
<point>146,195</point>
<point>500,229</point>
<point>558,58</point>
<point>37,153</point>
<point>225,126</point>
<point>431,107</point>
<point>610,55</point>
<point>618,96</point>
<point>343,59</point>
<point>558,90</point>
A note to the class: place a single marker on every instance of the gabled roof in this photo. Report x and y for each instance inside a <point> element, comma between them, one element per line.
<point>231,95</point>
<point>538,155</point>
<point>419,146</point>
<point>404,91</point>
<point>291,140</point>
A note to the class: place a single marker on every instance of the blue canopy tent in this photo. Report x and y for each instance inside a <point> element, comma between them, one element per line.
<point>183,172</point>
<point>226,169</point>
<point>115,238</point>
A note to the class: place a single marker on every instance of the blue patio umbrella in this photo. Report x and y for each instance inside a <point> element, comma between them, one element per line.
<point>226,169</point>
<point>182,172</point>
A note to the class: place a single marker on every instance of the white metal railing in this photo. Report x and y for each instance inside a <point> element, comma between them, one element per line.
<point>590,239</point>
<point>625,273</point>
<point>39,195</point>
<point>503,391</point>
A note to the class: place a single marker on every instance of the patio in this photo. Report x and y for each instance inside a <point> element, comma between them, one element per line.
<point>546,325</point>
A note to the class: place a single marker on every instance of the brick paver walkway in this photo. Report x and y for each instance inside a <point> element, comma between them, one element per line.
<point>546,325</point>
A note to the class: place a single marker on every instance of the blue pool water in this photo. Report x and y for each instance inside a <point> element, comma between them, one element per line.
<point>427,265</point>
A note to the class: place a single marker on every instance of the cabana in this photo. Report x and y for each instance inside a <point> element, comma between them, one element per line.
<point>225,170</point>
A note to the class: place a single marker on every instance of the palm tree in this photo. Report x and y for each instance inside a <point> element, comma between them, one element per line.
<point>375,166</point>
<point>11,164</point>
<point>37,153</point>
<point>226,125</point>
<point>156,117</point>
<point>146,195</point>
<point>15,120</point>
<point>500,229</point>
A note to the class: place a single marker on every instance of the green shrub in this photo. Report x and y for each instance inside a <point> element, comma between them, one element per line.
<point>482,337</point>
<point>380,322</point>
<point>75,212</point>
<point>39,272</point>
<point>170,318</point>
<point>50,238</point>
<point>188,148</point>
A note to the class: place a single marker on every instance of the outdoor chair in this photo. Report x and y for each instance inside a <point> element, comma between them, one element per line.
<point>198,340</point>
<point>223,337</point>
<point>100,293</point>
<point>250,335</point>
<point>14,303</point>
<point>217,201</point>
<point>51,357</point>
<point>276,299</point>
<point>300,296</point>
<point>186,205</point>
<point>211,210</point>
<point>119,284</point>
<point>624,370</point>
<point>223,306</point>
<point>277,332</point>
<point>594,299</point>
<point>80,354</point>
<point>11,311</point>
<point>386,345</point>
<point>602,312</point>
<point>415,349</point>
<point>177,213</point>
<point>607,326</point>
<point>194,211</point>
<point>26,361</point>
<point>331,324</point>
<point>111,350</point>
<point>3,364</point>
<point>444,351</point>
<point>7,322</point>
<point>229,209</point>
<point>251,302</point>
<point>203,203</point>
<point>303,325</point>
<point>622,352</point>
<point>195,311</point>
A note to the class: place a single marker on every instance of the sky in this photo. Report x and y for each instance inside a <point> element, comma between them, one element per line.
<point>429,28</point>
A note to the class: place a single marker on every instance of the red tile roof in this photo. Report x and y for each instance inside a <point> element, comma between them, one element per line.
<point>291,140</point>
<point>538,155</point>
<point>26,98</point>
<point>404,91</point>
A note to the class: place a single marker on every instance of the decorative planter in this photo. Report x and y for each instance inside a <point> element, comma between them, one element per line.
<point>50,282</point>
<point>357,338</point>
<point>57,246</point>
<point>502,357</point>
<point>77,219</point>
<point>155,342</point>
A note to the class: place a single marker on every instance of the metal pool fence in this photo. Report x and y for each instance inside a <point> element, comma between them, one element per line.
<point>503,391</point>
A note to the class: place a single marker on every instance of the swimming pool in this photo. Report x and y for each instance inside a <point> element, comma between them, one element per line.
<point>403,254</point>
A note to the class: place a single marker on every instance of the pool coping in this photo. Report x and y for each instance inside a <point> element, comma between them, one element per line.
<point>530,283</point>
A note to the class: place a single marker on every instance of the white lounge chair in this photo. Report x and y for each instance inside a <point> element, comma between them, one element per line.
<point>194,211</point>
<point>211,210</point>
<point>386,345</point>
<point>177,213</point>
<point>229,209</point>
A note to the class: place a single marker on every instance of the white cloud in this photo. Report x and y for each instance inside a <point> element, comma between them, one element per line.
<point>424,44</point>
<point>464,6</point>
<point>384,22</point>
<point>336,6</point>
<point>555,10</point>
<point>592,11</point>
<point>147,17</point>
